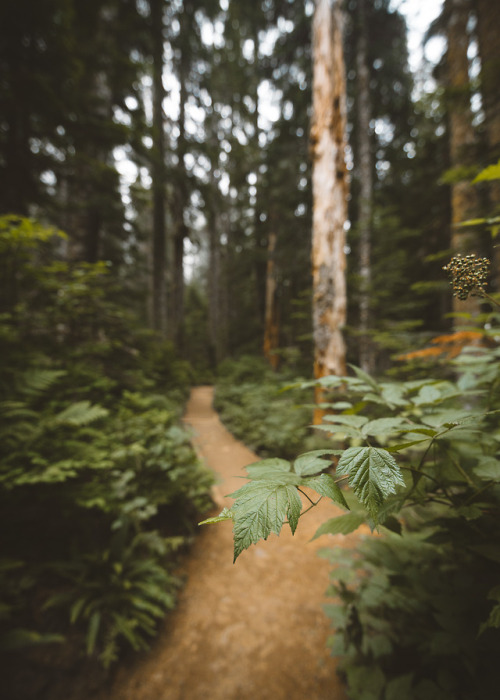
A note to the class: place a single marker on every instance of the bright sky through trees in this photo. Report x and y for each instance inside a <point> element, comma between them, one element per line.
<point>419,14</point>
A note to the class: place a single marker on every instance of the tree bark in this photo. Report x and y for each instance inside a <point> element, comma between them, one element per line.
<point>217,307</point>
<point>271,330</point>
<point>329,182</point>
<point>462,138</point>
<point>158,172</point>
<point>365,170</point>
<point>488,32</point>
<point>180,231</point>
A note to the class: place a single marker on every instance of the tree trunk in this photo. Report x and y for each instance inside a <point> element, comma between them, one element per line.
<point>271,330</point>
<point>464,200</point>
<point>258,233</point>
<point>158,172</point>
<point>365,170</point>
<point>216,306</point>
<point>488,32</point>
<point>329,181</point>
<point>181,190</point>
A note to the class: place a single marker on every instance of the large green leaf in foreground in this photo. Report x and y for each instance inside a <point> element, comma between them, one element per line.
<point>261,508</point>
<point>271,498</point>
<point>373,475</point>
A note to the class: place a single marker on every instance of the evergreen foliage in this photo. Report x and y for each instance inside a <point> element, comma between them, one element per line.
<point>99,485</point>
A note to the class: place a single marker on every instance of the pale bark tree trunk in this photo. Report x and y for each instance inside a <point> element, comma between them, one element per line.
<point>365,169</point>
<point>464,200</point>
<point>329,181</point>
<point>271,330</point>
<point>159,301</point>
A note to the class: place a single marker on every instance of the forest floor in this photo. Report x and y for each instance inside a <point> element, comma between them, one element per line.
<point>254,629</point>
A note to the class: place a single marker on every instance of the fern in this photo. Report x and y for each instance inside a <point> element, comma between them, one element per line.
<point>81,413</point>
<point>36,381</point>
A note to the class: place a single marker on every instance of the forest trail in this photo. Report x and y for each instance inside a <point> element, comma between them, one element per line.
<point>254,629</point>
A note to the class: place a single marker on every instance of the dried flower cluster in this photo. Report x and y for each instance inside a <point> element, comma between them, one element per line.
<point>468,275</point>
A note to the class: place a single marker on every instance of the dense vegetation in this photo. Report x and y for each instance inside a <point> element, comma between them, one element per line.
<point>149,129</point>
<point>99,484</point>
<point>253,404</point>
<point>417,610</point>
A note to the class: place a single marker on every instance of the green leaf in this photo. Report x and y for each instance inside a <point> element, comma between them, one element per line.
<point>343,525</point>
<point>225,514</point>
<point>39,380</point>
<point>392,524</point>
<point>384,426</point>
<point>19,638</point>
<point>76,609</point>
<point>81,413</point>
<point>311,462</point>
<point>365,377</point>
<point>472,512</point>
<point>405,445</point>
<point>353,421</point>
<point>273,469</point>
<point>423,431</point>
<point>373,475</point>
<point>493,619</point>
<point>261,507</point>
<point>488,468</point>
<point>393,395</point>
<point>492,172</point>
<point>93,631</point>
<point>426,395</point>
<point>325,485</point>
<point>339,430</point>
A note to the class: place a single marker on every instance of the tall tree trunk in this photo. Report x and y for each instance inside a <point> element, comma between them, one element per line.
<point>216,297</point>
<point>464,201</point>
<point>329,181</point>
<point>180,231</point>
<point>488,32</point>
<point>158,171</point>
<point>365,170</point>
<point>271,329</point>
<point>258,233</point>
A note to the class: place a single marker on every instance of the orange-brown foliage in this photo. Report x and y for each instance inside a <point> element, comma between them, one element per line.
<point>446,346</point>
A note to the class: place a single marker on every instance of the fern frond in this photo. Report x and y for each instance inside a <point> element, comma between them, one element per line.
<point>81,413</point>
<point>36,380</point>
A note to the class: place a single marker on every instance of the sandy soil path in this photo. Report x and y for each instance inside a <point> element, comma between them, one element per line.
<point>254,629</point>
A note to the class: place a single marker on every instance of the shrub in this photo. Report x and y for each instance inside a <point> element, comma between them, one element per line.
<point>99,485</point>
<point>418,612</point>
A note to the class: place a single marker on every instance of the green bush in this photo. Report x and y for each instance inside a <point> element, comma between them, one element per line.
<point>418,609</point>
<point>412,614</point>
<point>99,485</point>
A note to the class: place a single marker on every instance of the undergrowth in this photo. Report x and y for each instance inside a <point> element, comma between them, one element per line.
<point>417,608</point>
<point>99,485</point>
<point>253,404</point>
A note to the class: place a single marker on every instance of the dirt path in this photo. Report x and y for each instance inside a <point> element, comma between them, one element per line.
<point>250,630</point>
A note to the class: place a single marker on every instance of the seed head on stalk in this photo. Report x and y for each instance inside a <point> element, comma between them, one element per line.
<point>468,275</point>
